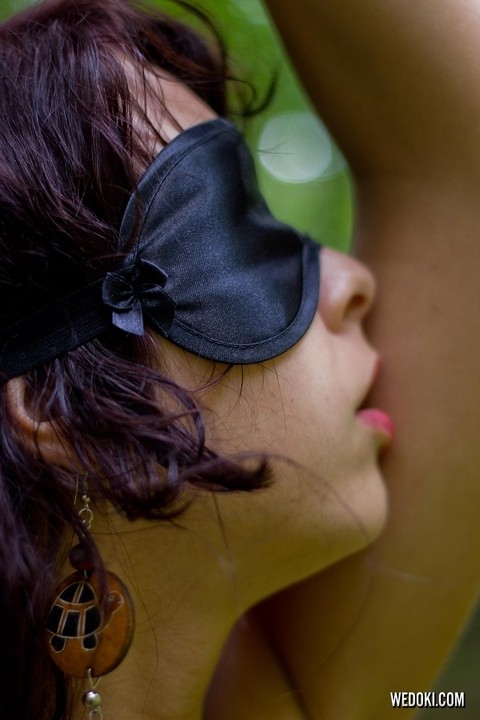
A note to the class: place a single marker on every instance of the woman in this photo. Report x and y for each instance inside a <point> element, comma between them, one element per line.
<point>121,389</point>
<point>87,108</point>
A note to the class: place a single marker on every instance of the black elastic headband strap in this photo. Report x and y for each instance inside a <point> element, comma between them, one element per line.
<point>52,331</point>
<point>123,299</point>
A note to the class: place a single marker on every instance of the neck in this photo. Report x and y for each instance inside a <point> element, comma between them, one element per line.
<point>168,670</point>
<point>184,593</point>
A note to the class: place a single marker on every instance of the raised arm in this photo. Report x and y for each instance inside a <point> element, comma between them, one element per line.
<point>398,83</point>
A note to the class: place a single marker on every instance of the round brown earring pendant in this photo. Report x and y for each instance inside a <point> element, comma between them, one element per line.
<point>84,633</point>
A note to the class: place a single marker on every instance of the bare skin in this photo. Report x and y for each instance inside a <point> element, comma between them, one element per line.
<point>193,580</point>
<point>293,657</point>
<point>398,85</point>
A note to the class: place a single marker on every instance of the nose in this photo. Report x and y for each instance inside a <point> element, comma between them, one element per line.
<point>347,290</point>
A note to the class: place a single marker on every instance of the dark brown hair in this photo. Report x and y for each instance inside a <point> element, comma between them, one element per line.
<point>68,163</point>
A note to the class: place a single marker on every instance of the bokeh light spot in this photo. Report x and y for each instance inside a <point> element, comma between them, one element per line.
<point>295,147</point>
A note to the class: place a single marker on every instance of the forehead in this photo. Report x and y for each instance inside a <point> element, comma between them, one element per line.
<point>164,106</point>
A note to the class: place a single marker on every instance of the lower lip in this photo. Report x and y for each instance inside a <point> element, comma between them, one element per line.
<point>378,421</point>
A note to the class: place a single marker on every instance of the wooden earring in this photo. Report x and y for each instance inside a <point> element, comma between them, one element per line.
<point>89,633</point>
<point>84,631</point>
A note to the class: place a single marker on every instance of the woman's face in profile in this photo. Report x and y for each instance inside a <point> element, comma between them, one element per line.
<point>327,498</point>
<point>300,409</point>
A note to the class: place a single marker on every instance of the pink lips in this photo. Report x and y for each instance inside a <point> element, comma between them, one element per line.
<point>378,421</point>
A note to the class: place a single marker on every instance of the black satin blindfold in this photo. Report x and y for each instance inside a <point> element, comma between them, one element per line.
<point>211,269</point>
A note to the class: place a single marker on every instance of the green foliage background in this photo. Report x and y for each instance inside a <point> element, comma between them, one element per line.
<point>319,204</point>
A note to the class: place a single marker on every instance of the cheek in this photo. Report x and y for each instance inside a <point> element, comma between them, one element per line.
<point>294,405</point>
<point>269,410</point>
<point>328,496</point>
<point>310,398</point>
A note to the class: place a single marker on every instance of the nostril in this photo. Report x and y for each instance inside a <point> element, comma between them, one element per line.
<point>357,307</point>
<point>347,290</point>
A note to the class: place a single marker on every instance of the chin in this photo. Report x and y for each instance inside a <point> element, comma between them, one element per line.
<point>341,525</point>
<point>368,509</point>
